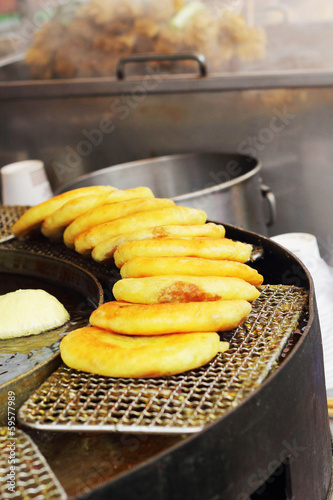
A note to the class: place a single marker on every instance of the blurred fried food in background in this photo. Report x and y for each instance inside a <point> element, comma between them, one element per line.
<point>91,40</point>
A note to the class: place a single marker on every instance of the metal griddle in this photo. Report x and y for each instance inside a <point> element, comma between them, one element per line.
<point>278,421</point>
<point>76,401</point>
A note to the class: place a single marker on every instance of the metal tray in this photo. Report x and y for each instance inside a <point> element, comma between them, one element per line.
<point>218,460</point>
<point>183,403</point>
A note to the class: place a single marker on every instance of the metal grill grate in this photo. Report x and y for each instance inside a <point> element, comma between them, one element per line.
<point>31,475</point>
<point>8,216</point>
<point>73,400</point>
<point>38,244</point>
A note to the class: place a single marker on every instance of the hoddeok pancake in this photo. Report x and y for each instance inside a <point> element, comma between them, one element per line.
<point>208,248</point>
<point>159,319</point>
<point>105,250</point>
<point>113,207</point>
<point>98,351</point>
<point>158,289</point>
<point>110,212</point>
<point>54,225</point>
<point>86,241</point>
<point>190,266</point>
<point>31,220</point>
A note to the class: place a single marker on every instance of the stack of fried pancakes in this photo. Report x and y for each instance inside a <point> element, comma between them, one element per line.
<point>182,280</point>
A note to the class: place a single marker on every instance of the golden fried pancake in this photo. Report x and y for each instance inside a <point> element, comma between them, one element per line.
<point>98,351</point>
<point>110,212</point>
<point>190,266</point>
<point>158,289</point>
<point>32,219</point>
<point>159,319</point>
<point>86,241</point>
<point>207,248</point>
<point>105,250</point>
<point>54,225</point>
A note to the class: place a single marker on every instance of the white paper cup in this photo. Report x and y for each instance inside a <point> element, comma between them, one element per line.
<point>25,183</point>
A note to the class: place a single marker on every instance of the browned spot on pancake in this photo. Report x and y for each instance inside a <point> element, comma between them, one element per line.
<point>159,232</point>
<point>180,291</point>
<point>108,256</point>
<point>242,321</point>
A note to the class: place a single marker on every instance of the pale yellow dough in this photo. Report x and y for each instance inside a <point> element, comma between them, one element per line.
<point>29,312</point>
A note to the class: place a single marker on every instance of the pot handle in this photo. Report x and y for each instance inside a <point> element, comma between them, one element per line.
<point>182,56</point>
<point>269,196</point>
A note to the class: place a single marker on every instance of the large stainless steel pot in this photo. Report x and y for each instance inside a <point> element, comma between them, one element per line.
<point>227,186</point>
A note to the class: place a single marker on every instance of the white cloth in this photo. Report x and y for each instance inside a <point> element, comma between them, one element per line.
<point>305,247</point>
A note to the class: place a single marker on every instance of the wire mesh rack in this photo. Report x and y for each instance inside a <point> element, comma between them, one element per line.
<point>25,472</point>
<point>185,403</point>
